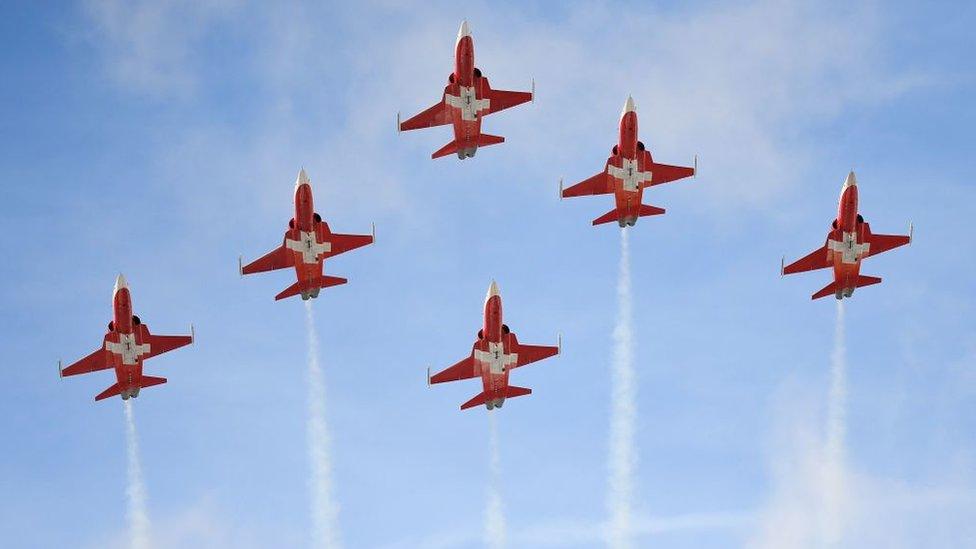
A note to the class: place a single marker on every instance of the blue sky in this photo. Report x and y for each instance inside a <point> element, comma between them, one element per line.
<point>162,139</point>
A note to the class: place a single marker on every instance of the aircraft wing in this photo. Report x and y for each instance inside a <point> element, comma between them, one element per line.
<point>279,258</point>
<point>881,243</point>
<point>499,100</point>
<point>342,243</point>
<point>465,368</point>
<point>438,115</point>
<point>159,344</point>
<point>816,259</point>
<point>598,184</point>
<point>527,354</point>
<point>666,173</point>
<point>98,360</point>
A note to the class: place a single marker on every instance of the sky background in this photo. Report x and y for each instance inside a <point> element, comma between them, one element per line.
<point>162,140</point>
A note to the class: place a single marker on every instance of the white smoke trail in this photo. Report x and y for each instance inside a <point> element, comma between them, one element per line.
<point>325,510</point>
<point>136,490</point>
<point>834,485</point>
<point>623,457</point>
<point>495,533</point>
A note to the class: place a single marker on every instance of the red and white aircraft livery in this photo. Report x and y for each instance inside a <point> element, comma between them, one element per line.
<point>849,241</point>
<point>467,98</point>
<point>629,170</point>
<point>494,355</point>
<point>308,241</point>
<point>127,343</point>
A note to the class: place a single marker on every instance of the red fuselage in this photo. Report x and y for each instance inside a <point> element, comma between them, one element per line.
<point>631,163</point>
<point>306,235</point>
<point>464,93</point>
<point>127,342</point>
<point>846,240</point>
<point>496,349</point>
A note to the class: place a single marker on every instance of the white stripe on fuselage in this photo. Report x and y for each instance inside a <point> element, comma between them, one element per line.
<point>468,102</point>
<point>308,247</point>
<point>629,174</point>
<point>127,348</point>
<point>496,359</point>
<point>850,251</point>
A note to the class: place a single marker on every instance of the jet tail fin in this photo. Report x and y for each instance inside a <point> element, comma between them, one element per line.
<point>484,140</point>
<point>512,391</point>
<point>836,289</point>
<point>112,391</point>
<point>450,148</point>
<point>149,381</point>
<point>509,392</point>
<point>310,285</point>
<point>467,148</point>
<point>612,215</point>
<point>478,400</point>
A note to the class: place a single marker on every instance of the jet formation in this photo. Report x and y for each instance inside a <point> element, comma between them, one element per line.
<point>466,100</point>
<point>126,345</point>
<point>849,241</point>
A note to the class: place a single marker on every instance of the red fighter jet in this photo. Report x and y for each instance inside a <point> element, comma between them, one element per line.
<point>127,343</point>
<point>849,241</point>
<point>308,241</point>
<point>629,170</point>
<point>494,355</point>
<point>467,98</point>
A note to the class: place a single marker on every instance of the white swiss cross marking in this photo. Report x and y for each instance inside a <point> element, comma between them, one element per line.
<point>496,359</point>
<point>309,247</point>
<point>468,102</point>
<point>628,173</point>
<point>127,348</point>
<point>850,251</point>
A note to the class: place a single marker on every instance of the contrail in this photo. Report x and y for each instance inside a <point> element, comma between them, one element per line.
<point>495,537</point>
<point>136,490</point>
<point>834,486</point>
<point>623,457</point>
<point>325,510</point>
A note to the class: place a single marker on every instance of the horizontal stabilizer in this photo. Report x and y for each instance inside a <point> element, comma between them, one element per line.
<point>450,148</point>
<point>310,285</point>
<point>484,140</point>
<point>829,289</point>
<point>478,400</point>
<point>512,391</point>
<point>833,287</point>
<point>112,391</point>
<point>612,215</point>
<point>149,381</point>
<point>646,210</point>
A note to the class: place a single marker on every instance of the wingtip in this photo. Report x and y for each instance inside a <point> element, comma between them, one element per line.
<point>428,376</point>
<point>695,173</point>
<point>193,334</point>
<point>560,188</point>
<point>372,233</point>
<point>398,122</point>
<point>240,265</point>
<point>533,90</point>
<point>60,371</point>
<point>782,266</point>
<point>911,232</point>
<point>559,344</point>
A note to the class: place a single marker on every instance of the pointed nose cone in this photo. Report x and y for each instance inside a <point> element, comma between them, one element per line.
<point>492,290</point>
<point>464,30</point>
<point>119,284</point>
<point>302,179</point>
<point>851,180</point>
<point>629,106</point>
